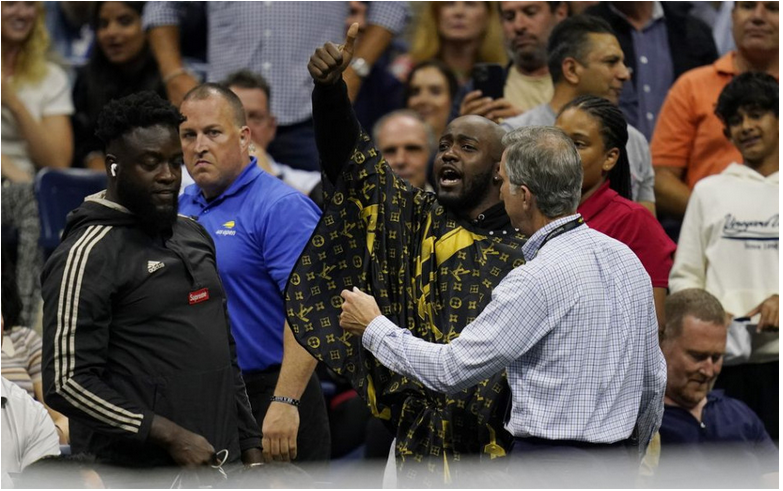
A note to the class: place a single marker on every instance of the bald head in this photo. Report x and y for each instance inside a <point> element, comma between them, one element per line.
<point>491,131</point>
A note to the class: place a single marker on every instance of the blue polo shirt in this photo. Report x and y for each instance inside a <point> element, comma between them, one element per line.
<point>725,421</point>
<point>260,226</point>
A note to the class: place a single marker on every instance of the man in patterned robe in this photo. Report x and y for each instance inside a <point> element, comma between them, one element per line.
<point>430,260</point>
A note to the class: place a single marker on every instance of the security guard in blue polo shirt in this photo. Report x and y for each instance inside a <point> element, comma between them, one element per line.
<point>260,227</point>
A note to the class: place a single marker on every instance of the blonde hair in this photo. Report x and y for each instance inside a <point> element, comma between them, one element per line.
<point>31,64</point>
<point>426,42</point>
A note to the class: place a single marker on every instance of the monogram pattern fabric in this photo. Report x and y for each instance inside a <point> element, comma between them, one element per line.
<point>431,273</point>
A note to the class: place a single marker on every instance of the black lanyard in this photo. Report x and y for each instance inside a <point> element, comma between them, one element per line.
<point>566,227</point>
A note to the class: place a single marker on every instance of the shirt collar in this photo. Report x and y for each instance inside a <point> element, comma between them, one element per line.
<point>725,64</point>
<point>597,202</point>
<point>534,243</point>
<point>493,218</point>
<point>248,175</point>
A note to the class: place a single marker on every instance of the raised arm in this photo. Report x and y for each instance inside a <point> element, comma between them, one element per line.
<point>336,126</point>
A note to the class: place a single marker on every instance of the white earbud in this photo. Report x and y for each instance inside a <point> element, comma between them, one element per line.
<point>113,170</point>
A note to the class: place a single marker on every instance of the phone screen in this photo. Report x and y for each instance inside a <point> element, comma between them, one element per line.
<point>489,78</point>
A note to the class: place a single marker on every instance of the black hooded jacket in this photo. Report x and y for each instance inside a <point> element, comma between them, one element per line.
<point>136,325</point>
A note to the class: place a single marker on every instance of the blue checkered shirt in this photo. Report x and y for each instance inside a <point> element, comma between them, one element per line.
<point>576,329</point>
<point>275,39</point>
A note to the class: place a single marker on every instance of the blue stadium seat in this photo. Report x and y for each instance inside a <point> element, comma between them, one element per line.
<point>58,191</point>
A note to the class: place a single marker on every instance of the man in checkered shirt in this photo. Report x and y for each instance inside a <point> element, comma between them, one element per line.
<point>575,327</point>
<point>274,39</point>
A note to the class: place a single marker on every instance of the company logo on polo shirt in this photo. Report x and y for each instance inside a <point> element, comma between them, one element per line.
<point>227,229</point>
<point>153,266</point>
<point>756,230</point>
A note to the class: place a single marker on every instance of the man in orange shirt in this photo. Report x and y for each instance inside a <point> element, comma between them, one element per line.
<point>689,143</point>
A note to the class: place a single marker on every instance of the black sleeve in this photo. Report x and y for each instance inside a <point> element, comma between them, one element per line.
<point>336,127</point>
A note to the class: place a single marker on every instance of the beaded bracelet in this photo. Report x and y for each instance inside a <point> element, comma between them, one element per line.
<point>287,400</point>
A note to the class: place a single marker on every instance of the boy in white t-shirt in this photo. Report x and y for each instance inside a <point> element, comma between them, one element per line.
<point>730,235</point>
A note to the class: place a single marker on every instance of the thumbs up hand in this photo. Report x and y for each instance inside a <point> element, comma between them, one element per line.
<point>328,62</point>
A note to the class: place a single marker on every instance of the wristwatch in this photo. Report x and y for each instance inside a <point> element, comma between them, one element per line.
<point>360,67</point>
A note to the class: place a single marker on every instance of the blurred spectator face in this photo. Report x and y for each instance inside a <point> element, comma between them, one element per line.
<point>262,124</point>
<point>18,19</point>
<point>755,26</point>
<point>403,143</point>
<point>213,144</point>
<point>462,21</point>
<point>585,131</point>
<point>119,33</point>
<point>358,14</point>
<point>603,72</point>
<point>754,132</point>
<point>694,360</point>
<point>526,30</point>
<point>429,96</point>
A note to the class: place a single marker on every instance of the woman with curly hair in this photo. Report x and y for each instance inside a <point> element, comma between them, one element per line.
<point>460,34</point>
<point>36,132</point>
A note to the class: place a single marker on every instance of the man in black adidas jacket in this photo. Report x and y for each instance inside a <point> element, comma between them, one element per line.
<point>137,348</point>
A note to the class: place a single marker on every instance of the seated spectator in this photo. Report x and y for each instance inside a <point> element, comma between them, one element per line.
<point>585,59</point>
<point>120,64</point>
<point>697,419</point>
<point>599,132</point>
<point>460,34</point>
<point>36,133</point>
<point>430,91</point>
<point>688,143</point>
<point>526,29</point>
<point>21,360</point>
<point>408,144</point>
<point>28,433</point>
<point>661,41</point>
<point>253,90</point>
<point>729,240</point>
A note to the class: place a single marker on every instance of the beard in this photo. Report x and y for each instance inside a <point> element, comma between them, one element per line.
<point>529,60</point>
<point>152,217</point>
<point>473,192</point>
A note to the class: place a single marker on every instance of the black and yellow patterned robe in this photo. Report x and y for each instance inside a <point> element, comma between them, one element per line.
<point>429,272</point>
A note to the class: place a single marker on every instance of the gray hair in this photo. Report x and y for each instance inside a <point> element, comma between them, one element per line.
<point>432,141</point>
<point>544,159</point>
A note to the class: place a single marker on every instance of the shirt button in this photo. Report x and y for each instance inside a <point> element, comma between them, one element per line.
<point>267,32</point>
<point>650,116</point>
<point>643,59</point>
<point>266,66</point>
<point>646,88</point>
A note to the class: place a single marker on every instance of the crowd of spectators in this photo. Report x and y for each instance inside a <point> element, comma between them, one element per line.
<point>672,107</point>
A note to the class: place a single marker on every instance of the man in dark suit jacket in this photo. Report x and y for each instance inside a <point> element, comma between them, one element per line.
<point>661,41</point>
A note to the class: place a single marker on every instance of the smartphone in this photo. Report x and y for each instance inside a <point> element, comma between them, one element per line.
<point>489,78</point>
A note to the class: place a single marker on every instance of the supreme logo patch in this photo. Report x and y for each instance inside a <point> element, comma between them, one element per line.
<point>198,296</point>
